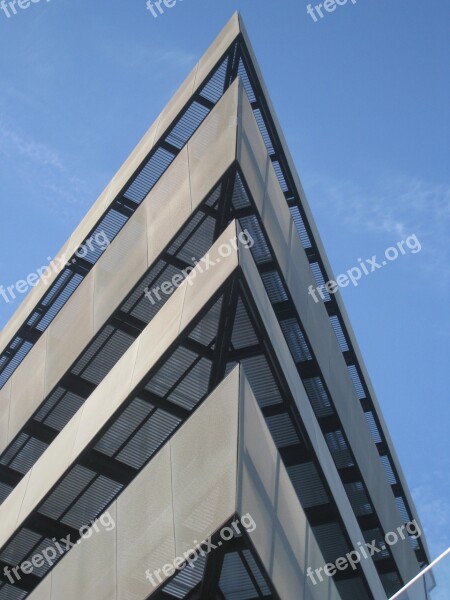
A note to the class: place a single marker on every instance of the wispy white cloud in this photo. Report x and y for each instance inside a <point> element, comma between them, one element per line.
<point>41,170</point>
<point>14,144</point>
<point>395,206</point>
<point>389,205</point>
<point>63,195</point>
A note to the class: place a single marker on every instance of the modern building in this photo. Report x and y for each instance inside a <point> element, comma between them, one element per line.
<point>174,386</point>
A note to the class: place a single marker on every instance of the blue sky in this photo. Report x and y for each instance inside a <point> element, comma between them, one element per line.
<point>363,96</point>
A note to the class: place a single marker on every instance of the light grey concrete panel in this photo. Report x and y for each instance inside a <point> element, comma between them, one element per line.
<point>10,509</point>
<point>168,206</point>
<point>290,547</point>
<point>49,468</point>
<point>275,210</point>
<point>251,151</point>
<point>120,268</point>
<point>94,414</point>
<point>28,385</point>
<point>203,282</point>
<point>212,148</point>
<point>315,589</point>
<point>89,570</point>
<point>259,465</point>
<point>204,462</point>
<point>5,403</point>
<point>145,527</point>
<point>74,323</point>
<point>153,340</point>
<point>43,590</point>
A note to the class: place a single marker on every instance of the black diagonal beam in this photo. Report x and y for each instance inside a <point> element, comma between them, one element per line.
<point>103,465</point>
<point>50,528</point>
<point>211,576</point>
<point>10,476</point>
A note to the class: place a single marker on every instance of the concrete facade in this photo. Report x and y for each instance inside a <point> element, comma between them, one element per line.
<point>230,395</point>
